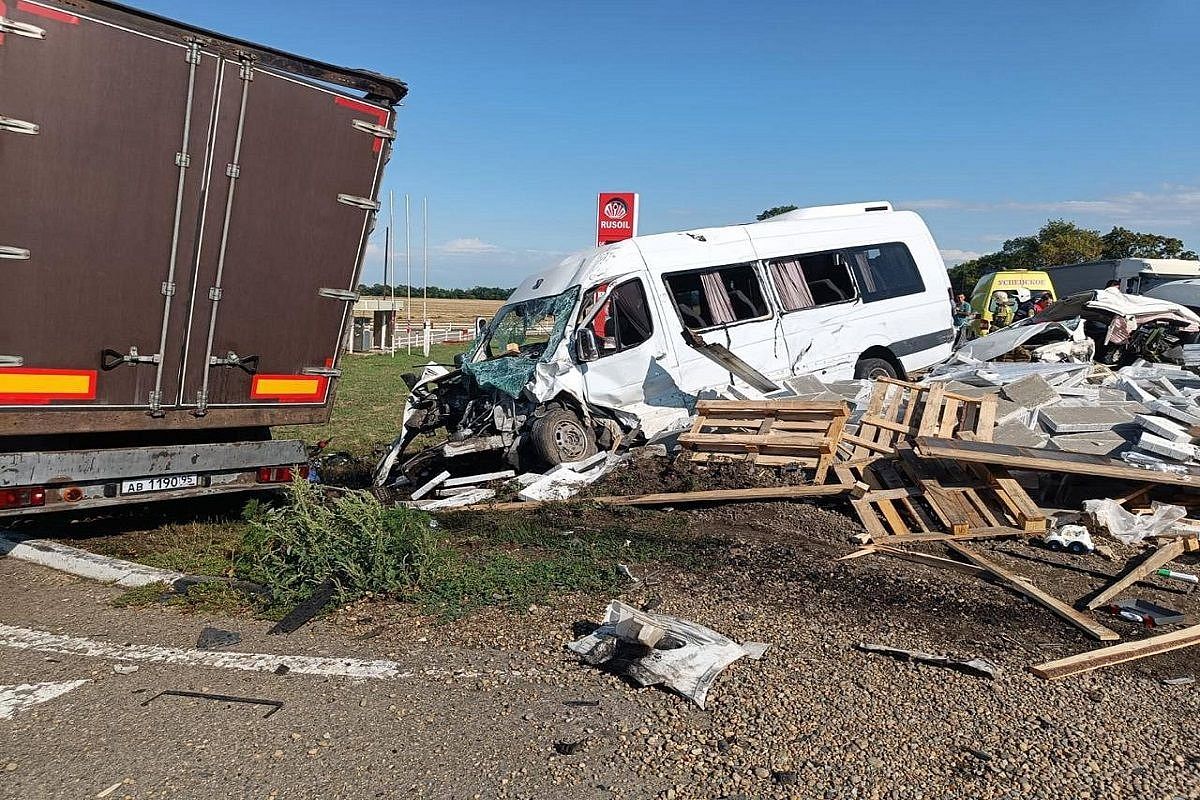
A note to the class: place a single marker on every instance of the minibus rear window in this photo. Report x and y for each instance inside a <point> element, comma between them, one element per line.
<point>718,296</point>
<point>884,271</point>
<point>810,280</point>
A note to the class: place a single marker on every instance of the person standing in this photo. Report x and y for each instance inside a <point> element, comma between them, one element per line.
<point>1002,317</point>
<point>962,311</point>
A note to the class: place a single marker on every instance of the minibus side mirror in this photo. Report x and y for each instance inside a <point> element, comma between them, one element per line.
<point>586,348</point>
<point>460,359</point>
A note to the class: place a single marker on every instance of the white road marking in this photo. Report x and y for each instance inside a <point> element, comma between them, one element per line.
<point>44,642</point>
<point>16,697</point>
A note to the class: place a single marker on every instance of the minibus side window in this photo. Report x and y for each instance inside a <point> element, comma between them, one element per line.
<point>884,271</point>
<point>623,321</point>
<point>711,297</point>
<point>806,281</point>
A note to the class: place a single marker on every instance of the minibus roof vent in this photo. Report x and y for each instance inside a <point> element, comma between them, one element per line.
<point>843,210</point>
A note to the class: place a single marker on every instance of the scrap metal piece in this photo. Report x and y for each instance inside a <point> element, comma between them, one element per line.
<point>212,638</point>
<point>657,649</point>
<point>299,616</point>
<point>980,667</point>
<point>721,355</point>
<point>220,698</point>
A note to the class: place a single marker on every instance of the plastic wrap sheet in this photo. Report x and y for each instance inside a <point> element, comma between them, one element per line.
<point>1133,528</point>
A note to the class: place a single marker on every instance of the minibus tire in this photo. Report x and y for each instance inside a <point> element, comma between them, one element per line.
<point>560,436</point>
<point>874,368</point>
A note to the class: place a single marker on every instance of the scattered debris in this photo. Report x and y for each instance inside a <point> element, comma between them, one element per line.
<point>565,748</point>
<point>303,613</point>
<point>654,649</point>
<point>216,638</point>
<point>1146,613</point>
<point>1183,680</point>
<point>429,485</point>
<point>125,669</point>
<point>980,667</point>
<point>275,705</point>
<point>1075,539</point>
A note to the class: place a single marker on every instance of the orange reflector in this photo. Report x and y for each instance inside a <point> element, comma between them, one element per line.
<point>29,385</point>
<point>289,388</point>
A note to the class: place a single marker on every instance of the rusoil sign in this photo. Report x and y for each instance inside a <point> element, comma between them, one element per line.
<point>616,214</point>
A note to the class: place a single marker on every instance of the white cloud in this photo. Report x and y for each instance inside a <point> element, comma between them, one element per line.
<point>469,246</point>
<point>953,257</point>
<point>1169,205</point>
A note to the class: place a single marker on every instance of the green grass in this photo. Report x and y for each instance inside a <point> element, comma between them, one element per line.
<point>370,400</point>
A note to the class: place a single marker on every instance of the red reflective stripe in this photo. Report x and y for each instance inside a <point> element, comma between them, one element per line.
<point>380,115</point>
<point>258,392</point>
<point>48,13</point>
<point>3,13</point>
<point>43,398</point>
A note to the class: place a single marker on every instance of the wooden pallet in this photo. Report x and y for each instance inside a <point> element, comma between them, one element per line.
<point>784,432</point>
<point>905,496</point>
<point>899,411</point>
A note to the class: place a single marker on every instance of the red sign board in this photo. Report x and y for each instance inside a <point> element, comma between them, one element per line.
<point>616,217</point>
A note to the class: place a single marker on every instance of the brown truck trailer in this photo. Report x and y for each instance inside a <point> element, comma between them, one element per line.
<point>183,218</point>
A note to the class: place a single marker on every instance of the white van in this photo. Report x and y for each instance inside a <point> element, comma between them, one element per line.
<point>597,347</point>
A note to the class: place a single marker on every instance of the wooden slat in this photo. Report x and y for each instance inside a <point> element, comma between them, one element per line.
<point>932,415</point>
<point>1117,654</point>
<point>985,420</point>
<point>1048,461</point>
<point>810,441</point>
<point>1138,570</point>
<point>929,560</point>
<point>949,418</point>
<point>826,407</point>
<point>983,533</point>
<point>681,498</point>
<point>762,459</point>
<point>1025,587</point>
<point>1028,515</point>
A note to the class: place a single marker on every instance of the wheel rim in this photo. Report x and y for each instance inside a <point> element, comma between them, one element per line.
<point>879,372</point>
<point>570,440</point>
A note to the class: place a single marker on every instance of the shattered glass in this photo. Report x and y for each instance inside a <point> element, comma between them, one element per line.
<point>506,354</point>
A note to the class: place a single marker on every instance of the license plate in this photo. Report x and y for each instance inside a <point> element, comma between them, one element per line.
<point>164,483</point>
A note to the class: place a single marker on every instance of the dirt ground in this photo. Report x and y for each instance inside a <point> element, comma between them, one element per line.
<point>484,700</point>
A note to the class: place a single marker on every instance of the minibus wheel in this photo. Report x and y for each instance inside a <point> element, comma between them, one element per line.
<point>874,368</point>
<point>560,436</point>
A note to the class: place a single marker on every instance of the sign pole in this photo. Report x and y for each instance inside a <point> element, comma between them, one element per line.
<point>408,265</point>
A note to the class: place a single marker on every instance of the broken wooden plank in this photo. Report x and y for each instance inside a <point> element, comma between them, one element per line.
<point>983,533</point>
<point>680,498</point>
<point>1138,570</point>
<point>929,560</point>
<point>1025,587</point>
<point>1117,654</point>
<point>1048,461</point>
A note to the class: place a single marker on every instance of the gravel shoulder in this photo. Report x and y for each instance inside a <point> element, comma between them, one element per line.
<point>813,718</point>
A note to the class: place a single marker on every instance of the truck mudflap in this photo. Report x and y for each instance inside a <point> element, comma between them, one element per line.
<point>39,482</point>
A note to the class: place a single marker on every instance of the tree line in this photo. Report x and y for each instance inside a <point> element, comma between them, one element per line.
<point>438,293</point>
<point>1062,242</point>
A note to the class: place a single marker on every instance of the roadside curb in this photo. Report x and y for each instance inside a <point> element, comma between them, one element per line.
<point>83,564</point>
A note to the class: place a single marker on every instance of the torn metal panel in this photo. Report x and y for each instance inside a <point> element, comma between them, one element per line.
<point>736,366</point>
<point>980,667</point>
<point>684,656</point>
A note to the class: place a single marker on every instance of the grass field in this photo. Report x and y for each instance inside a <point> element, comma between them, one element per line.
<point>441,312</point>
<point>370,400</point>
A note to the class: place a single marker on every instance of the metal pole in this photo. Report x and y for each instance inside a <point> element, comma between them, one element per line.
<point>425,247</point>
<point>408,265</point>
<point>391,273</point>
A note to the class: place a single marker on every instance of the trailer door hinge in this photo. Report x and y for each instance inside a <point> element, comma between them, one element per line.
<point>168,289</point>
<point>246,72</point>
<point>193,53</point>
<point>14,253</point>
<point>234,171</point>
<point>156,404</point>
<point>12,361</point>
<point>19,126</point>
<point>381,131</point>
<point>201,403</point>
<point>345,295</point>
<point>359,202</point>
<point>215,294</point>
<point>183,160</point>
<point>325,372</point>
<point>21,29</point>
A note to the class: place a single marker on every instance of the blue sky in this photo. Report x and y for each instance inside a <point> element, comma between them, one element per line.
<point>986,118</point>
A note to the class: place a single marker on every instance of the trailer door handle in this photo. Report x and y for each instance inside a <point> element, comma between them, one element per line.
<point>14,253</point>
<point>21,29</point>
<point>247,363</point>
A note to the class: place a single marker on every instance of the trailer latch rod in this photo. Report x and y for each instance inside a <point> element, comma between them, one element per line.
<point>21,28</point>
<point>13,125</point>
